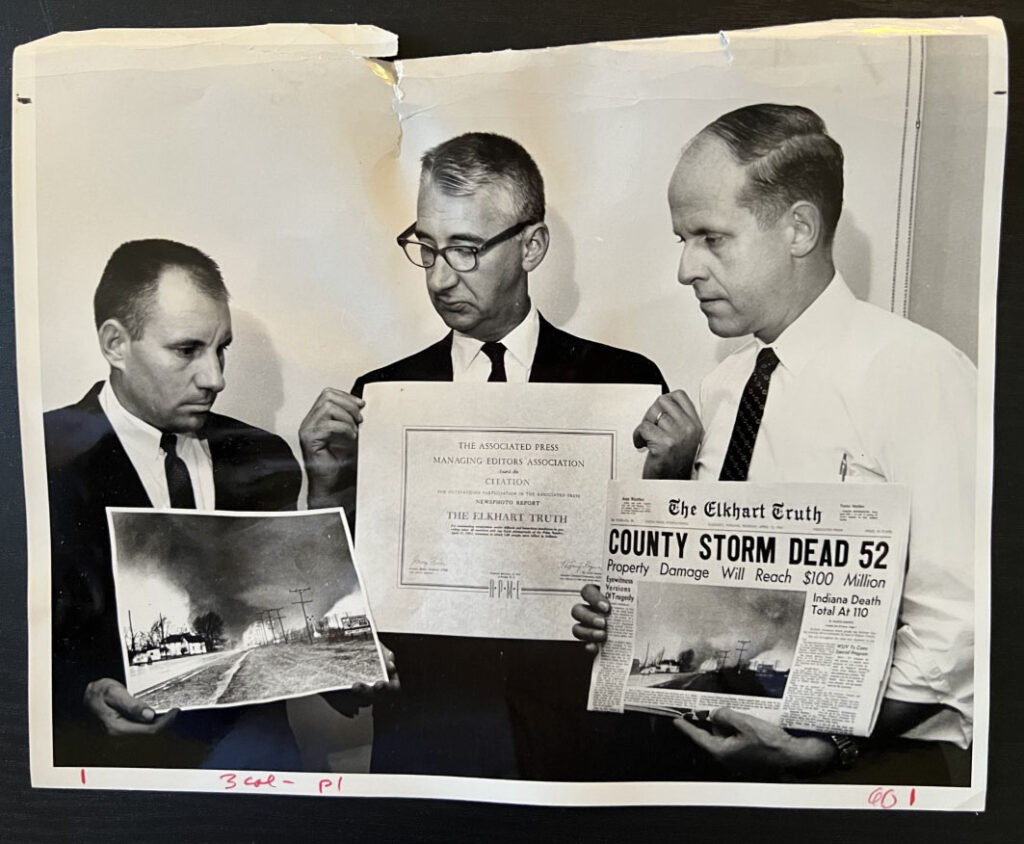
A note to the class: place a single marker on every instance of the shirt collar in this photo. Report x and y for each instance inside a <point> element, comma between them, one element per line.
<point>803,340</point>
<point>520,343</point>
<point>135,435</point>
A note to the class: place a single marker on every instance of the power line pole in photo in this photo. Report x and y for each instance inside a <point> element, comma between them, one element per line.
<point>742,650</point>
<point>271,613</point>
<point>303,601</point>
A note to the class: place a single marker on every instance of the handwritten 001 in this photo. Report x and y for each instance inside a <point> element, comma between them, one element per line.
<point>887,798</point>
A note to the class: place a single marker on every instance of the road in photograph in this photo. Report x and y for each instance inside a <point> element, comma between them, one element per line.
<point>269,672</point>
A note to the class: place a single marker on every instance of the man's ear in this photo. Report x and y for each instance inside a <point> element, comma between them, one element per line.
<point>535,242</point>
<point>114,340</point>
<point>806,223</point>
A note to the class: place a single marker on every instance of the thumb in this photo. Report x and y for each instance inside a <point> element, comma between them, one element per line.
<point>591,593</point>
<point>639,440</point>
<point>389,660</point>
<point>163,721</point>
<point>117,698</point>
<point>730,718</point>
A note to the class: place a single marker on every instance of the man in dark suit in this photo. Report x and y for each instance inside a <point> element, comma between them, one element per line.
<point>146,438</point>
<point>470,706</point>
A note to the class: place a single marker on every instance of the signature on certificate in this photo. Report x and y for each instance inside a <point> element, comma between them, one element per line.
<point>580,569</point>
<point>433,563</point>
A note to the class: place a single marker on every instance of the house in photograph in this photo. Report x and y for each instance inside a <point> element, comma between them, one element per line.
<point>184,644</point>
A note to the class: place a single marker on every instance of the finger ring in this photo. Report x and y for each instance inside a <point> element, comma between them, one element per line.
<point>658,417</point>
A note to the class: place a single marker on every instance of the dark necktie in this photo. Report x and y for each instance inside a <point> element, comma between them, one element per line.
<point>748,418</point>
<point>179,483</point>
<point>496,352</point>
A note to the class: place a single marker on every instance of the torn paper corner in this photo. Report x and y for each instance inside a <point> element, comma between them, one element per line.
<point>389,72</point>
<point>365,40</point>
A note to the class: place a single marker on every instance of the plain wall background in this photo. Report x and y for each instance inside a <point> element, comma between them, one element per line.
<point>947,233</point>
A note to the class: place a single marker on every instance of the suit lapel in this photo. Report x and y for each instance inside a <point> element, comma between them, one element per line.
<point>439,359</point>
<point>118,477</point>
<point>224,482</point>
<point>552,355</point>
<point>107,463</point>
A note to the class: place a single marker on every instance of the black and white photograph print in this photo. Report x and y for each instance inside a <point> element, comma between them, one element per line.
<point>302,220</point>
<point>717,639</point>
<point>221,609</point>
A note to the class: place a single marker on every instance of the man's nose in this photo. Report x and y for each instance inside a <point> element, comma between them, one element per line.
<point>211,372</point>
<point>441,276</point>
<point>691,268</point>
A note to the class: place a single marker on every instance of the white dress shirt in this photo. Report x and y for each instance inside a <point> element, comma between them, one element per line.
<point>141,441</point>
<point>860,388</point>
<point>469,363</point>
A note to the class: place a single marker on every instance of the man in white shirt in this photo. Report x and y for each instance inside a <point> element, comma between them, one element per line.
<point>477,707</point>
<point>839,390</point>
<point>146,437</point>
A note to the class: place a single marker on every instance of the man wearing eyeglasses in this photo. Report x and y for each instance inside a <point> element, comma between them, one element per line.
<point>479,707</point>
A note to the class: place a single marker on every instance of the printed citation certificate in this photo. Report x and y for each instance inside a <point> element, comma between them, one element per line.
<point>481,506</point>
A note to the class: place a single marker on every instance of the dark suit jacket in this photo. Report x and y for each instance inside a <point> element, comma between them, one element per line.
<point>560,358</point>
<point>88,470</point>
<point>505,707</point>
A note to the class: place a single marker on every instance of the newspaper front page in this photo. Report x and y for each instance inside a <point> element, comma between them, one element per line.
<point>779,601</point>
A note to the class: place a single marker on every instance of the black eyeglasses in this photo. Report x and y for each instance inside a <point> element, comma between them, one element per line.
<point>462,259</point>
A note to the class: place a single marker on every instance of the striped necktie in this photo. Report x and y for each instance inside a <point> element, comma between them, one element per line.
<point>748,418</point>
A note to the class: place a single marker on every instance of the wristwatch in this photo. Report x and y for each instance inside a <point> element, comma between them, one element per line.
<point>848,749</point>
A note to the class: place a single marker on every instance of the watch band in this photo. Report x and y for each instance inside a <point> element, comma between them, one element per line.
<point>848,748</point>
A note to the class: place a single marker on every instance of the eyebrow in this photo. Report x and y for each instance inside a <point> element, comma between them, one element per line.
<point>697,232</point>
<point>472,238</point>
<point>193,341</point>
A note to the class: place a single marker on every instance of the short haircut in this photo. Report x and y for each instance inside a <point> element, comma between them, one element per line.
<point>128,286</point>
<point>463,165</point>
<point>789,157</point>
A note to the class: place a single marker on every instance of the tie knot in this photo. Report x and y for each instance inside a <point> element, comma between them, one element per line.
<point>169,443</point>
<point>767,360</point>
<point>495,351</point>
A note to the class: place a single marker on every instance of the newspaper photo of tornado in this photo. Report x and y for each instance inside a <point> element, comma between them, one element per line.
<point>725,640</point>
